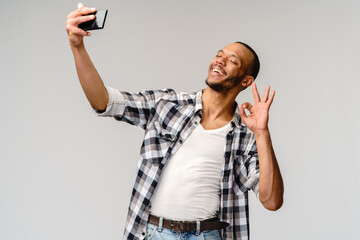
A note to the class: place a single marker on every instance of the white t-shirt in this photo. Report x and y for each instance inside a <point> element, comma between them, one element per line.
<point>189,186</point>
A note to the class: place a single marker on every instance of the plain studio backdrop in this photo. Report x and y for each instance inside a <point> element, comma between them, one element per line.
<point>66,174</point>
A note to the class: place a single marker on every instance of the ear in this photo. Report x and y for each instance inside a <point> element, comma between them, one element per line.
<point>247,81</point>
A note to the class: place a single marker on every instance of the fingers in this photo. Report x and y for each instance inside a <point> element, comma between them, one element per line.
<point>77,31</point>
<point>242,108</point>
<point>255,93</point>
<point>72,25</point>
<point>242,112</point>
<point>266,94</point>
<point>84,11</point>
<point>77,17</point>
<point>266,98</point>
<point>247,106</point>
<point>80,12</point>
<point>270,100</point>
<point>78,20</point>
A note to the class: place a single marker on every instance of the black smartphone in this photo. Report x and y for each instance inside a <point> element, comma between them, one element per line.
<point>97,23</point>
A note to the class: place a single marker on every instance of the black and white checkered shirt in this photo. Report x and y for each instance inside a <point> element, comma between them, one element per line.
<point>168,118</point>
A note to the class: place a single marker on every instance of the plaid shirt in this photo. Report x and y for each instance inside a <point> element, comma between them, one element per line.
<point>168,119</point>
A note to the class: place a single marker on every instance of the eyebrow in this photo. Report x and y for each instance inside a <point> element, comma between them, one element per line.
<point>231,54</point>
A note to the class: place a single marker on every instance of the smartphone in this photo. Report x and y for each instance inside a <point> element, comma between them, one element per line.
<point>97,23</point>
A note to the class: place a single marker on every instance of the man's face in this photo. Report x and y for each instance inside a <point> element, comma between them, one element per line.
<point>227,68</point>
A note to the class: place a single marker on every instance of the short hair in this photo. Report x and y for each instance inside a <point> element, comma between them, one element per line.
<point>254,68</point>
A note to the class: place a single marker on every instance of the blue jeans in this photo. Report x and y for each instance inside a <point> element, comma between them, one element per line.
<point>154,232</point>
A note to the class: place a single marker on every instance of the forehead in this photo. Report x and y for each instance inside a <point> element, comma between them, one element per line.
<point>239,50</point>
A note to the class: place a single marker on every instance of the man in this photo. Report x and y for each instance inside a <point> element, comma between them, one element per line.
<point>199,157</point>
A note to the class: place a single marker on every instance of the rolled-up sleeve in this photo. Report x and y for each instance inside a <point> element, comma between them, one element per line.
<point>115,106</point>
<point>253,175</point>
<point>252,165</point>
<point>133,108</point>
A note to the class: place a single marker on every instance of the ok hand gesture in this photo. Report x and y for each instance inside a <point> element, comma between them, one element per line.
<point>257,120</point>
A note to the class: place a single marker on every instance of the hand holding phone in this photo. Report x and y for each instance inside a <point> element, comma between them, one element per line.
<point>83,17</point>
<point>97,23</point>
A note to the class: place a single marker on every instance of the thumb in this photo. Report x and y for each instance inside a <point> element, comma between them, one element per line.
<point>242,111</point>
<point>80,5</point>
<point>247,106</point>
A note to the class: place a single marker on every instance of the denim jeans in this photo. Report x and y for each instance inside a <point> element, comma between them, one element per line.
<point>154,232</point>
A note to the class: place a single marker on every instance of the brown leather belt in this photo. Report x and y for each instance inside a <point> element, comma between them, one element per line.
<point>189,226</point>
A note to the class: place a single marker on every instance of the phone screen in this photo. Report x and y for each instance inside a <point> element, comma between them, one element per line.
<point>97,23</point>
<point>100,19</point>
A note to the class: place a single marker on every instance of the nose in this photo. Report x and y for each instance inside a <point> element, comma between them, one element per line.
<point>221,60</point>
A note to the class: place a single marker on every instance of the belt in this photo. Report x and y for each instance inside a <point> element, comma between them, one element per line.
<point>189,226</point>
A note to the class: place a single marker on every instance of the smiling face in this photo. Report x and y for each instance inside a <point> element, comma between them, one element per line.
<point>229,67</point>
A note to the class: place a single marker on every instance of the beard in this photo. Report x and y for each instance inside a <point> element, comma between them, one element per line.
<point>226,85</point>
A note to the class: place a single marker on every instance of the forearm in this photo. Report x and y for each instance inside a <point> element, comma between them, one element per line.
<point>271,187</point>
<point>89,78</point>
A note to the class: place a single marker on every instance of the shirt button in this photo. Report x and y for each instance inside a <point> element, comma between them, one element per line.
<point>143,234</point>
<point>180,141</point>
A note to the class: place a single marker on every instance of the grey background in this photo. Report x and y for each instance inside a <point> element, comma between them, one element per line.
<point>67,174</point>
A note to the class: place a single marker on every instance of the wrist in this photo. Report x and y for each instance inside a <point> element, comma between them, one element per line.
<point>78,50</point>
<point>77,47</point>
<point>262,133</point>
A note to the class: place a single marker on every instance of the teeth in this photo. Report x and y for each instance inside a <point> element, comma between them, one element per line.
<point>217,70</point>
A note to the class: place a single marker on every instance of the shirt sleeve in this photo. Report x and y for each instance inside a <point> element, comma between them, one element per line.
<point>253,174</point>
<point>252,166</point>
<point>133,108</point>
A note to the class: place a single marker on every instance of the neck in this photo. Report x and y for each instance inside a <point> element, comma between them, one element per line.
<point>218,106</point>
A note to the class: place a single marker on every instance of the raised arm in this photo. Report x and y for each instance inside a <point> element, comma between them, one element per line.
<point>271,187</point>
<point>89,78</point>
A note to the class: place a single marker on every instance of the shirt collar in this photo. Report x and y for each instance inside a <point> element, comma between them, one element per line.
<point>198,101</point>
<point>236,120</point>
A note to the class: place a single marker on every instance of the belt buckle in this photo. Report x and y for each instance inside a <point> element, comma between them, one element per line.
<point>185,226</point>
<point>171,225</point>
<point>178,229</point>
